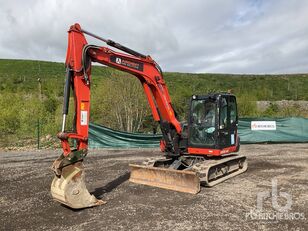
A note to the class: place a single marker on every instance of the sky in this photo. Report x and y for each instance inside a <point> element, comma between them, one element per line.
<point>198,36</point>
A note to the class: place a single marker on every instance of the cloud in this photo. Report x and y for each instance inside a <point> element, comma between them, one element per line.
<point>240,36</point>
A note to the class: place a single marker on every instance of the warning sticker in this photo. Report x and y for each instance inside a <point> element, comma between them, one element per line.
<point>82,106</point>
<point>232,139</point>
<point>84,118</point>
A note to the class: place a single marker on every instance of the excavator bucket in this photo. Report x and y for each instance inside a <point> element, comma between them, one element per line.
<point>177,180</point>
<point>70,189</point>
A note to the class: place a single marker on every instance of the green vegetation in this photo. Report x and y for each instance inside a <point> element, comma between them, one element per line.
<point>33,90</point>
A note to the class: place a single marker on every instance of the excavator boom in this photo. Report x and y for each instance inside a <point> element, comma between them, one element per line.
<point>68,186</point>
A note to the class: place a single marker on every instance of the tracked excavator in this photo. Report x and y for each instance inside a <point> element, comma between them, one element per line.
<point>197,152</point>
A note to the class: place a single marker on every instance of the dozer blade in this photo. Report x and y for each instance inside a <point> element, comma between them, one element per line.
<point>177,180</point>
<point>70,188</point>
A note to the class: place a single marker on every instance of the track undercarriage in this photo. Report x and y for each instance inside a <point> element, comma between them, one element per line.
<point>188,172</point>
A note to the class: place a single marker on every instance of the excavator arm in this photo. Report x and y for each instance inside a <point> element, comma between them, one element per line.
<point>68,186</point>
<point>79,57</point>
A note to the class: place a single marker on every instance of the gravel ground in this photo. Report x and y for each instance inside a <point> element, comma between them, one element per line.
<point>25,202</point>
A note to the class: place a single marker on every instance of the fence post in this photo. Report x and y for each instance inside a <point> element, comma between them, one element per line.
<point>38,133</point>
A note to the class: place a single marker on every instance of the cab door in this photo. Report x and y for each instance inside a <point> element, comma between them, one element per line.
<point>202,122</point>
<point>228,121</point>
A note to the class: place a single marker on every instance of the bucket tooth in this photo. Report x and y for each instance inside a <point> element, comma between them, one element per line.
<point>70,189</point>
<point>177,180</point>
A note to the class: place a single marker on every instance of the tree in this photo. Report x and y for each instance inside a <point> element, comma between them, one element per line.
<point>120,104</point>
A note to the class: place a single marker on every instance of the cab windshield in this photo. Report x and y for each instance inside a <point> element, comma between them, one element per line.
<point>203,119</point>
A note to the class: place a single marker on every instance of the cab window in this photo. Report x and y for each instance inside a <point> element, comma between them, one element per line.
<point>223,121</point>
<point>203,119</point>
<point>233,110</point>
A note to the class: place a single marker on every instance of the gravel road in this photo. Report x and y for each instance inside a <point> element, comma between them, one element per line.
<point>26,204</point>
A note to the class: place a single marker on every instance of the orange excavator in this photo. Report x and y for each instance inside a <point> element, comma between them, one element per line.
<point>196,152</point>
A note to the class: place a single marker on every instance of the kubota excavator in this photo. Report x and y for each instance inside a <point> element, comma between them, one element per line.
<point>195,152</point>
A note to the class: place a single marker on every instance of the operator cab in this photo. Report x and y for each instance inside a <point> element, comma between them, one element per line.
<point>212,124</point>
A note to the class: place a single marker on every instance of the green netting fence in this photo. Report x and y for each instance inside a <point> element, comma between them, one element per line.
<point>103,137</point>
<point>251,130</point>
<point>287,130</point>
